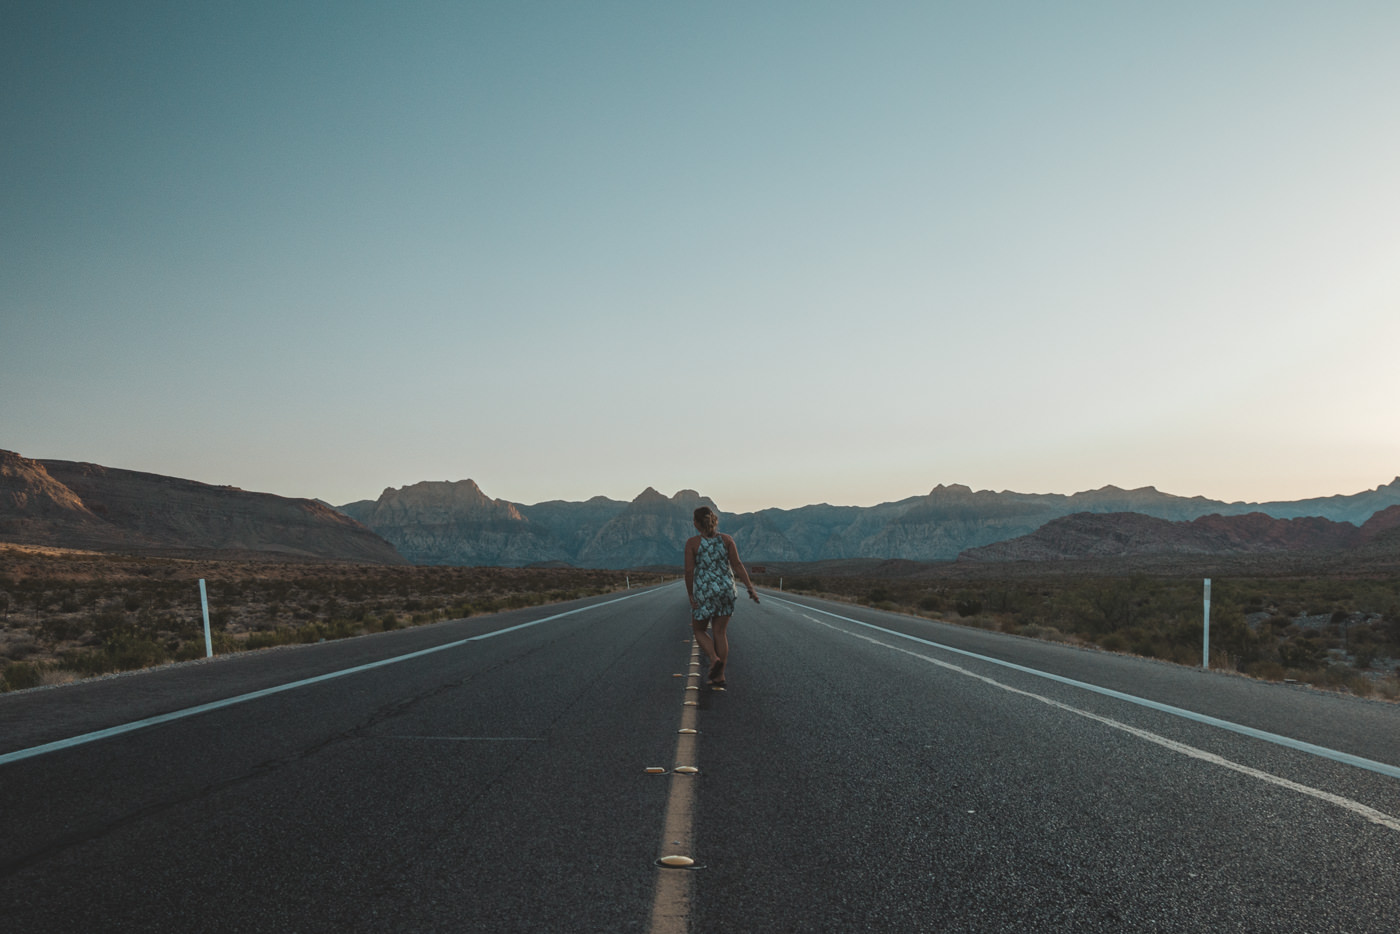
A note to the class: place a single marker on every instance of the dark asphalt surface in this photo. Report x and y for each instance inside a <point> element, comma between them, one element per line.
<point>499,786</point>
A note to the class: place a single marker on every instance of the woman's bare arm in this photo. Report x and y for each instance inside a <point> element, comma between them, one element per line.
<point>740,571</point>
<point>690,568</point>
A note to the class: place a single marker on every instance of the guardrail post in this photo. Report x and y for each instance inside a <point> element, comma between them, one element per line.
<point>204,602</point>
<point>1205,639</point>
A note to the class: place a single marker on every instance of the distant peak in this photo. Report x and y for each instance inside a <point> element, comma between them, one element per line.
<point>650,495</point>
<point>423,485</point>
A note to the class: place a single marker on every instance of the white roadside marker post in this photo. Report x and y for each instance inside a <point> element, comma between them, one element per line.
<point>204,602</point>
<point>1205,641</point>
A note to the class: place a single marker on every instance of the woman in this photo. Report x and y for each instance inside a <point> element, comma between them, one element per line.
<point>711,564</point>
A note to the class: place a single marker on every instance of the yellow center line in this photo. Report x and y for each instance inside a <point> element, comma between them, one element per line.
<point>670,908</point>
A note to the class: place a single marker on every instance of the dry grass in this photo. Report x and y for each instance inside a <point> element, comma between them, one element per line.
<point>67,614</point>
<point>1334,631</point>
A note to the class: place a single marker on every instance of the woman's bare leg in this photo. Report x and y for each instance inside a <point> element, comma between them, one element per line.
<point>707,645</point>
<point>720,639</point>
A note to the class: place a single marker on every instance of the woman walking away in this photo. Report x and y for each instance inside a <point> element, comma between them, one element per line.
<point>711,564</point>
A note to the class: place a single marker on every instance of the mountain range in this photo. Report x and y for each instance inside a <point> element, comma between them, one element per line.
<point>81,505</point>
<point>455,522</point>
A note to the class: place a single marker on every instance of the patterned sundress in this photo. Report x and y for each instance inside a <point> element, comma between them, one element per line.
<point>714,580</point>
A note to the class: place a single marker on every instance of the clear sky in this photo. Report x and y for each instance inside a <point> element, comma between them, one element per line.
<point>777,252</point>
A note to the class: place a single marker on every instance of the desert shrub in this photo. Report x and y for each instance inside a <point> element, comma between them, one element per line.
<point>1003,599</point>
<point>121,652</point>
<point>60,630</point>
<point>1114,642</point>
<point>264,639</point>
<point>1337,678</point>
<point>19,651</point>
<point>1151,647</point>
<point>389,621</point>
<point>110,618</point>
<point>189,650</point>
<point>20,675</point>
<point>968,607</point>
<point>1303,654</point>
<point>1266,670</point>
<point>129,652</point>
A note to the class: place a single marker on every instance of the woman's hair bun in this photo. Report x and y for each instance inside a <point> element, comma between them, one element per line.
<point>706,520</point>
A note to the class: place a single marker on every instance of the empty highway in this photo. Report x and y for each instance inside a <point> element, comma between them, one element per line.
<point>862,771</point>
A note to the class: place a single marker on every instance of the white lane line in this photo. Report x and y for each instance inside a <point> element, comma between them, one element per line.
<point>1356,807</point>
<point>55,746</point>
<point>474,739</point>
<point>1323,752</point>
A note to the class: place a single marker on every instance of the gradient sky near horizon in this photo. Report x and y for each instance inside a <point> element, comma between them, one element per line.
<point>781,253</point>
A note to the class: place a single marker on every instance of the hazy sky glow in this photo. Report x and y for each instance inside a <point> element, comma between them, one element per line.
<point>780,253</point>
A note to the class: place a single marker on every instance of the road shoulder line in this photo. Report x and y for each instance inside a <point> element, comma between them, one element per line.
<point>1323,752</point>
<point>120,729</point>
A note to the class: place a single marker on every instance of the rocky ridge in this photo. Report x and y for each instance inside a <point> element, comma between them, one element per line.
<point>1082,536</point>
<point>455,523</point>
<point>87,506</point>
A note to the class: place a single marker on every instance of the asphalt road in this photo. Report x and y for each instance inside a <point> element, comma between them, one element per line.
<point>849,778</point>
